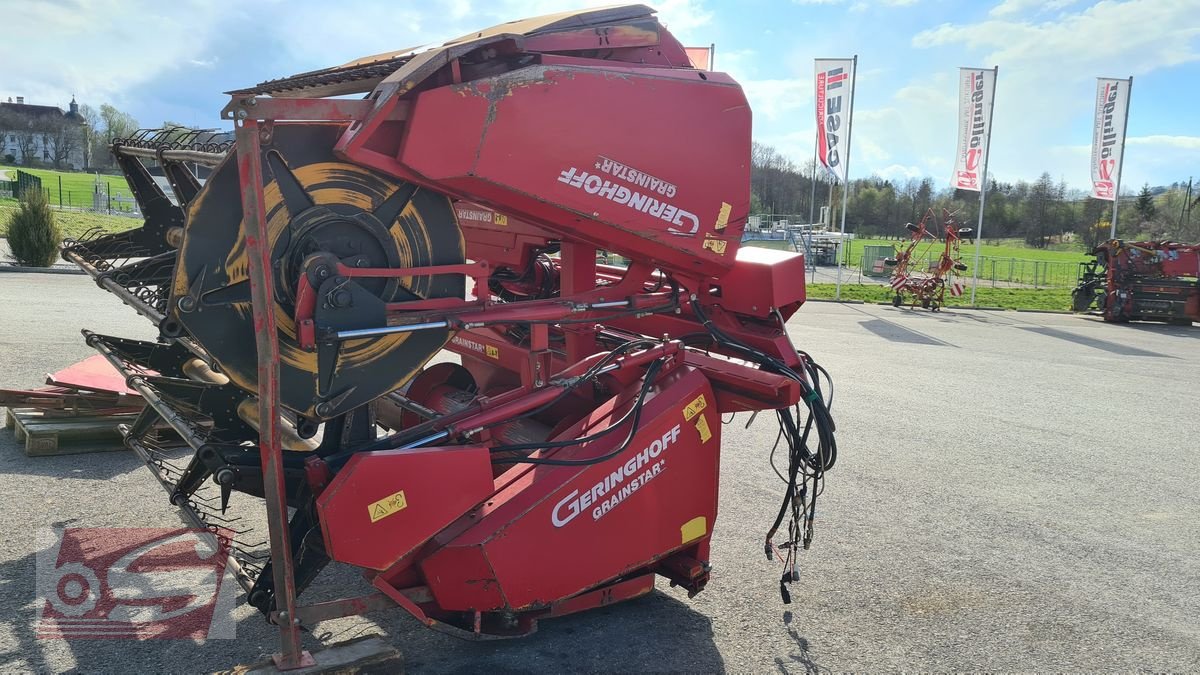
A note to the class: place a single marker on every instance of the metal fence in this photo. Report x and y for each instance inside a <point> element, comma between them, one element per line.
<point>100,198</point>
<point>1016,272</point>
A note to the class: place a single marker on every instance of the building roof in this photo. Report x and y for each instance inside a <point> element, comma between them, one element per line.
<point>32,110</point>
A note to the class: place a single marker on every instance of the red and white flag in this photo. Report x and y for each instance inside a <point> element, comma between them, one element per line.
<point>701,57</point>
<point>835,82</point>
<point>898,281</point>
<point>956,289</point>
<point>1108,135</point>
<point>976,91</point>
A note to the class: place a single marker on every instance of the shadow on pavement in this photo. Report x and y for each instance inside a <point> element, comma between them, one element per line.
<point>1095,343</point>
<point>84,466</point>
<point>803,658</point>
<point>897,333</point>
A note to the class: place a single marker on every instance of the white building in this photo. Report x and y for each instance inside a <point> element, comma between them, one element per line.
<point>37,129</point>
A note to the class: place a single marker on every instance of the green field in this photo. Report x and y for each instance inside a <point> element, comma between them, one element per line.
<point>73,223</point>
<point>1007,298</point>
<point>77,188</point>
<point>1009,248</point>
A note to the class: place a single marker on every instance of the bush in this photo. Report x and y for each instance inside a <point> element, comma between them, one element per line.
<point>10,159</point>
<point>33,236</point>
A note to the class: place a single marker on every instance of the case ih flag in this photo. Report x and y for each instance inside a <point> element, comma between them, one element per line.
<point>976,88</point>
<point>1108,136</point>
<point>835,81</point>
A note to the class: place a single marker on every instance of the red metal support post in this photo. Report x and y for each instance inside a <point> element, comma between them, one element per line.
<point>248,135</point>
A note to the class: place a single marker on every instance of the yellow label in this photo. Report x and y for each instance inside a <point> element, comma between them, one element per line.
<point>500,219</point>
<point>387,506</point>
<point>492,352</point>
<point>693,529</point>
<point>692,409</point>
<point>716,245</point>
<point>723,215</point>
<point>702,427</point>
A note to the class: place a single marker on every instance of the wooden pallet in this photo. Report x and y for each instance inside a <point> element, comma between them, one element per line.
<point>43,436</point>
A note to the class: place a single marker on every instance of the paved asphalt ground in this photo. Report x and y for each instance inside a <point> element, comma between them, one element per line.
<point>1015,492</point>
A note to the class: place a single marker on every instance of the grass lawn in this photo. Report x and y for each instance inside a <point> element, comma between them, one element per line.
<point>1006,259</point>
<point>1003,250</point>
<point>1008,298</point>
<point>77,187</point>
<point>73,223</point>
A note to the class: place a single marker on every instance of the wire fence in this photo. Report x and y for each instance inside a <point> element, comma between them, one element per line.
<point>1017,272</point>
<point>97,197</point>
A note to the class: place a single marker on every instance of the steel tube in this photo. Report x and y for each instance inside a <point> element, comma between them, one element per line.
<point>196,156</point>
<point>116,289</point>
<point>143,453</point>
<point>258,238</point>
<point>138,383</point>
<point>388,330</point>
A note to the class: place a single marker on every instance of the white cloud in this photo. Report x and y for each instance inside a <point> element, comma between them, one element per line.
<point>1135,36</point>
<point>1048,68</point>
<point>777,99</point>
<point>1009,7</point>
<point>900,172</point>
<point>97,49</point>
<point>1180,142</point>
<point>858,6</point>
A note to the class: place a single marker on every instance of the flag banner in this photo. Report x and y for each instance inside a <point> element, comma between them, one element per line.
<point>1108,136</point>
<point>898,281</point>
<point>956,289</point>
<point>701,57</point>
<point>976,88</point>
<point>835,81</point>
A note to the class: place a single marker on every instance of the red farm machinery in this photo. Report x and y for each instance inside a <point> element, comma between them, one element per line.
<point>1141,281</point>
<point>361,219</point>
<point>918,277</point>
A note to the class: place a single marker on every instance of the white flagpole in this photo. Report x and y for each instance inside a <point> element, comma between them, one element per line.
<point>983,186</point>
<point>812,211</point>
<point>1112,230</point>
<point>846,183</point>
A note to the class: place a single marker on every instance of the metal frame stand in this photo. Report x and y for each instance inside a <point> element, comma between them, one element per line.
<point>249,134</point>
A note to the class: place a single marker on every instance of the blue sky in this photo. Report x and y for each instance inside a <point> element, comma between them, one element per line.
<point>172,60</point>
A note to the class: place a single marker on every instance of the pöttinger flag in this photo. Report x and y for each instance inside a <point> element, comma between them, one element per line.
<point>976,89</point>
<point>1108,136</point>
<point>834,82</point>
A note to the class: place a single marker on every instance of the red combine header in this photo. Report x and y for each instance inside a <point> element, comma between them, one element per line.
<point>1141,281</point>
<point>472,198</point>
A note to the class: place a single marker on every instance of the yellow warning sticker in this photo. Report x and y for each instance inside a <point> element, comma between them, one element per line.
<point>693,529</point>
<point>492,352</point>
<point>500,219</point>
<point>702,427</point>
<point>723,216</point>
<point>716,245</point>
<point>387,506</point>
<point>692,409</point>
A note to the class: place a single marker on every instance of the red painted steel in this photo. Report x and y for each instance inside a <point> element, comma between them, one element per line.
<point>255,224</point>
<point>555,157</point>
<point>383,505</point>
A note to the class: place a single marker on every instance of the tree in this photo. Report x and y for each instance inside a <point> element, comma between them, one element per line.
<point>1145,205</point>
<point>116,124</point>
<point>1093,223</point>
<point>1039,211</point>
<point>89,131</point>
<point>62,137</point>
<point>25,130</point>
<point>33,236</point>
